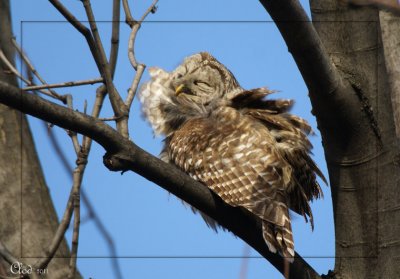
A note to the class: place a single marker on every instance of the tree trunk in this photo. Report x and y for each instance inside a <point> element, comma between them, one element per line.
<point>363,158</point>
<point>390,29</point>
<point>27,216</point>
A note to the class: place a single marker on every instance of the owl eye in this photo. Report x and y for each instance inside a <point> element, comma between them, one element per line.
<point>201,83</point>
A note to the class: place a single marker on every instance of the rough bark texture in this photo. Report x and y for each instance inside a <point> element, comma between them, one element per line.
<point>27,216</point>
<point>361,149</point>
<point>390,30</point>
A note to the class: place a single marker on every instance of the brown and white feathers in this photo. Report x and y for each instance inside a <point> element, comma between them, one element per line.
<point>246,148</point>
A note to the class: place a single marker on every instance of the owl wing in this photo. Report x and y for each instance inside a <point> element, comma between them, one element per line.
<point>290,133</point>
<point>240,164</point>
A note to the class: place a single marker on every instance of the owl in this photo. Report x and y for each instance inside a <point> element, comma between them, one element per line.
<point>248,149</point>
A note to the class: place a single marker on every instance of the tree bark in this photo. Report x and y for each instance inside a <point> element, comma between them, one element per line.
<point>390,30</point>
<point>364,165</point>
<point>27,216</point>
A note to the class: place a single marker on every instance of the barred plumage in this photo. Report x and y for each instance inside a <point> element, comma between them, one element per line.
<point>246,148</point>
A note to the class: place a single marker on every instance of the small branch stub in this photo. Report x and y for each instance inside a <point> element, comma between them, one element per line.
<point>115,162</point>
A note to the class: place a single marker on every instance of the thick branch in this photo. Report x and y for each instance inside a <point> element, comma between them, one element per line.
<point>327,90</point>
<point>304,44</point>
<point>123,154</point>
<point>333,97</point>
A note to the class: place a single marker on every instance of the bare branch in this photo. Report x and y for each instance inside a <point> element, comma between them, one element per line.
<point>304,44</point>
<point>72,134</point>
<point>131,45</point>
<point>81,29</point>
<point>151,9</point>
<point>122,154</point>
<point>101,92</point>
<point>12,68</point>
<point>115,36</point>
<point>113,118</point>
<point>63,84</point>
<point>77,181</point>
<point>58,236</point>
<point>92,214</point>
<point>117,104</point>
<point>332,97</point>
<point>139,67</point>
<point>132,36</point>
<point>14,71</point>
<point>30,66</point>
<point>134,86</point>
<point>97,50</point>
<point>128,16</point>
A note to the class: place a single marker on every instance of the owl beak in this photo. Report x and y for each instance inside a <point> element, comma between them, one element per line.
<point>180,89</point>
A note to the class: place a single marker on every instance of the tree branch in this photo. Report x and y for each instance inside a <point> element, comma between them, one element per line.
<point>79,171</point>
<point>114,36</point>
<point>321,77</point>
<point>92,214</point>
<point>139,67</point>
<point>333,98</point>
<point>304,44</point>
<point>81,29</point>
<point>118,105</point>
<point>30,66</point>
<point>123,155</point>
<point>58,236</point>
<point>63,84</point>
<point>97,50</point>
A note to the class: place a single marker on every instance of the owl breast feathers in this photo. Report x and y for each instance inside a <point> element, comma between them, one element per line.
<point>246,148</point>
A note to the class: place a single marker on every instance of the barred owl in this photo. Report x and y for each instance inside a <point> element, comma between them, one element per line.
<point>246,148</point>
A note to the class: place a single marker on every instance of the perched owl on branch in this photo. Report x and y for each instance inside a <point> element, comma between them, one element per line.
<point>246,148</point>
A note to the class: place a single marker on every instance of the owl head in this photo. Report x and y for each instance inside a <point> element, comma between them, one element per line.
<point>195,88</point>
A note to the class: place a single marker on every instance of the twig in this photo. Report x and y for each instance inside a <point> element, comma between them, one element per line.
<point>30,66</point>
<point>152,9</point>
<point>132,90</point>
<point>117,104</point>
<point>101,93</point>
<point>139,67</point>
<point>115,36</point>
<point>58,236</point>
<point>81,29</point>
<point>101,61</point>
<point>132,37</point>
<point>72,134</point>
<point>131,45</point>
<point>388,5</point>
<point>77,181</point>
<point>128,16</point>
<point>64,84</point>
<point>113,118</point>
<point>86,142</point>
<point>14,71</point>
<point>12,68</point>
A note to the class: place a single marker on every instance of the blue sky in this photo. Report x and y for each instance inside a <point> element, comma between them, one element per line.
<point>144,220</point>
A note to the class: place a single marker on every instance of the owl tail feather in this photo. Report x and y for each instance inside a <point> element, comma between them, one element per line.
<point>279,239</point>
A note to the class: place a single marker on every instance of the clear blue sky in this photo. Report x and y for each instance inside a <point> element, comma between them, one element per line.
<point>144,219</point>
